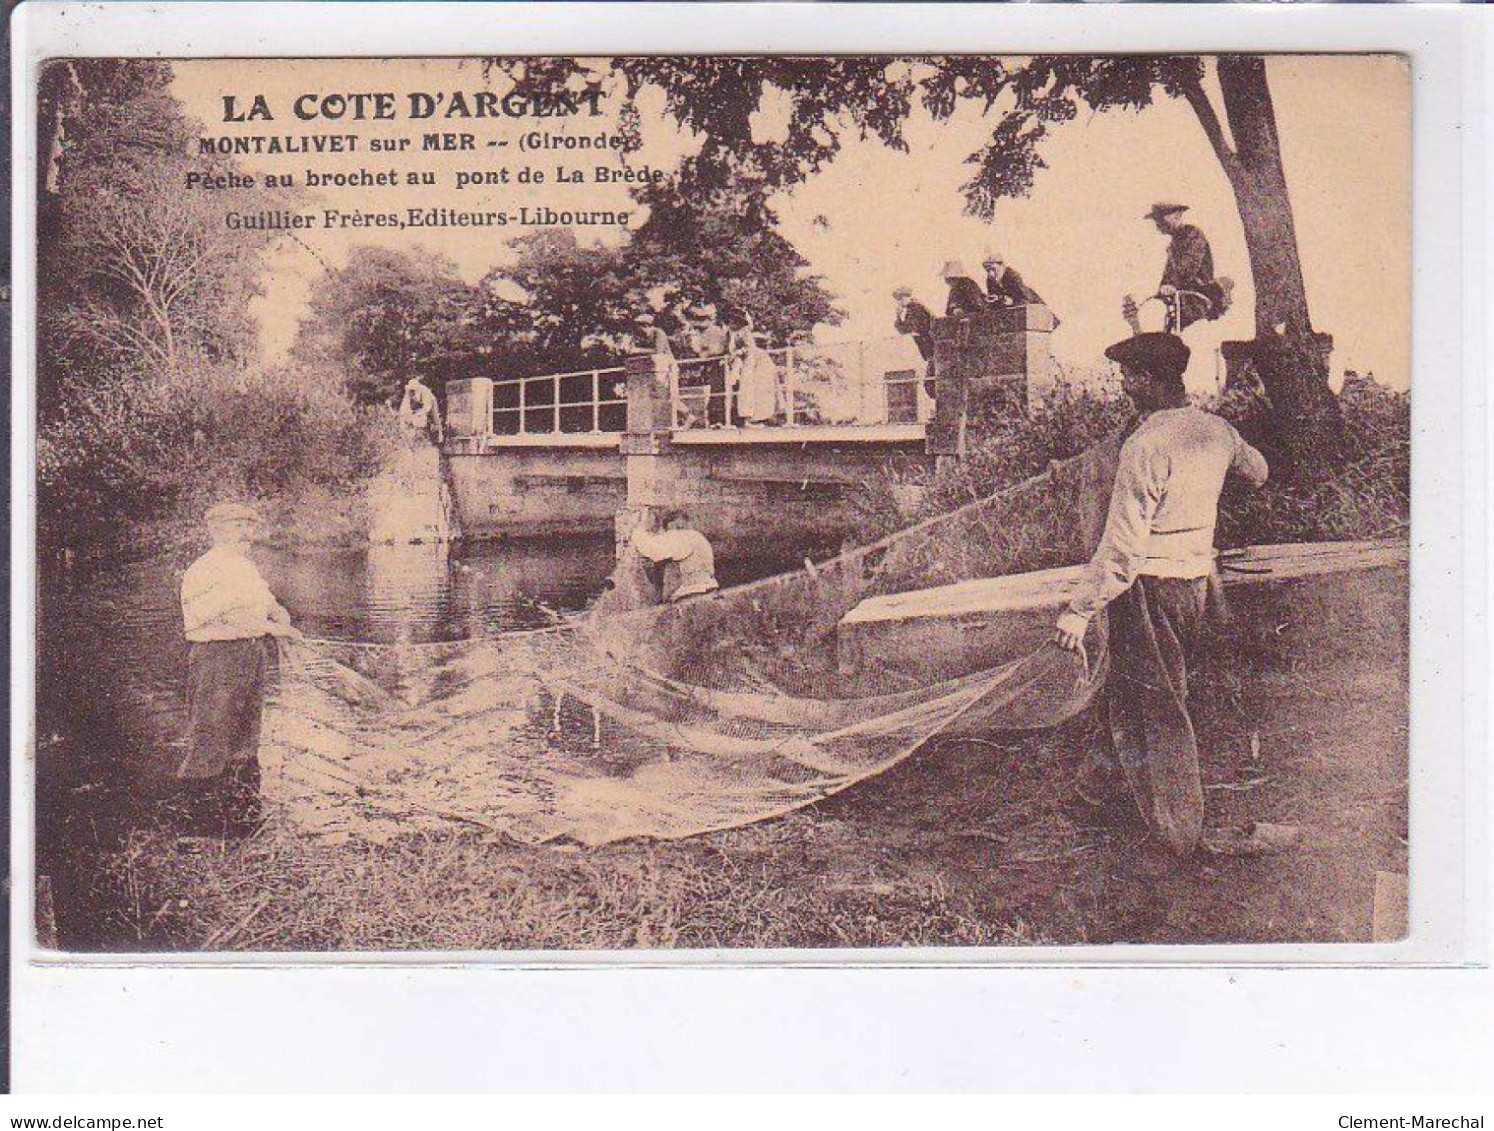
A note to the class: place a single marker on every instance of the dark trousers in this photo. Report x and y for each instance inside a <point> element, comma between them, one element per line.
<point>717,409</point>
<point>227,805</point>
<point>225,702</point>
<point>225,705</point>
<point>1155,627</point>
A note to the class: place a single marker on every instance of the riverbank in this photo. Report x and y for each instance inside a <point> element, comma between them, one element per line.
<point>968,843</point>
<point>974,842</point>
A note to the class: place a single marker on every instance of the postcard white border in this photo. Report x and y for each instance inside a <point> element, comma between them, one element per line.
<point>670,992</point>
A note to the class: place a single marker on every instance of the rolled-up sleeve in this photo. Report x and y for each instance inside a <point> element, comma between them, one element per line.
<point>1248,463</point>
<point>1122,549</point>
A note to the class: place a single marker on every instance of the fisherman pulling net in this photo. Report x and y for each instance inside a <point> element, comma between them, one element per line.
<point>710,713</point>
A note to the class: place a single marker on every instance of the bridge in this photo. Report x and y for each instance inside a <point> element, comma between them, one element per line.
<point>589,450</point>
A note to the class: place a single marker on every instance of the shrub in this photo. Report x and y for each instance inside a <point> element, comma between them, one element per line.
<point>1369,497</point>
<point>131,446</point>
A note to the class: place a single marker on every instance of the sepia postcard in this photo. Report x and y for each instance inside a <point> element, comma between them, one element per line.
<point>722,502</point>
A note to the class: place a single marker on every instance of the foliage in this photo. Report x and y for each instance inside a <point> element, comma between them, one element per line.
<point>136,271</point>
<point>715,240</point>
<point>140,446</point>
<point>1367,497</point>
<point>1003,453</point>
<point>576,308</point>
<point>388,316</point>
<point>561,305</point>
<point>829,99</point>
<point>150,392</point>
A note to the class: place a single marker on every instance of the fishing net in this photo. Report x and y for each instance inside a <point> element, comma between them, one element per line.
<point>670,721</point>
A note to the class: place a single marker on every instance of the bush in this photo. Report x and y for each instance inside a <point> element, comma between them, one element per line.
<point>132,446</point>
<point>1369,497</point>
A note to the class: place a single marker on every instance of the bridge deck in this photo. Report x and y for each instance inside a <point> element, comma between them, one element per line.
<point>724,437</point>
<point>804,434</point>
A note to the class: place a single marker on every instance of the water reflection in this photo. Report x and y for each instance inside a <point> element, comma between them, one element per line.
<point>417,593</point>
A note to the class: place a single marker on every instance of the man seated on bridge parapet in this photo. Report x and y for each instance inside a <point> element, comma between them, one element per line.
<point>965,295</point>
<point>688,560</point>
<point>1004,287</point>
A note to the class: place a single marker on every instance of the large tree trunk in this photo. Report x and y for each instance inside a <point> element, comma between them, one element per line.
<point>1291,358</point>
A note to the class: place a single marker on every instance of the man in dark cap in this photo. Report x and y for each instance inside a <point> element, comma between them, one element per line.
<point>1152,570</point>
<point>1188,283</point>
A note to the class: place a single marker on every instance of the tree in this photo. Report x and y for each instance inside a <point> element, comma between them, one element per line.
<point>1287,353</point>
<point>575,310</point>
<point>873,97</point>
<point>714,238</point>
<point>137,272</point>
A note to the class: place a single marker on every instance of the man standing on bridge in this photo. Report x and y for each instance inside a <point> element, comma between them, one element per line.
<point>917,321</point>
<point>1152,569</point>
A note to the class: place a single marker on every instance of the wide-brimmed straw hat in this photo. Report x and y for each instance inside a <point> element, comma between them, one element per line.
<point>954,269</point>
<point>1164,209</point>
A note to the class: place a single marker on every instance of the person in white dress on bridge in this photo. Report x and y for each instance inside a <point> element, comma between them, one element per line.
<point>753,374</point>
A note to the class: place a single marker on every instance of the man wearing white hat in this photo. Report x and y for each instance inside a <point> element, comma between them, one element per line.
<point>227,613</point>
<point>965,295</point>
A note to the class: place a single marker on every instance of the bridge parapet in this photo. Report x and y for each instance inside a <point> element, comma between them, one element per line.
<point>997,362</point>
<point>469,413</point>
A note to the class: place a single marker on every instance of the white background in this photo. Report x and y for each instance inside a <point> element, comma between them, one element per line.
<point>386,1026</point>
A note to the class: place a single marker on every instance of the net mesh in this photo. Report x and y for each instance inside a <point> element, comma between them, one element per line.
<point>670,721</point>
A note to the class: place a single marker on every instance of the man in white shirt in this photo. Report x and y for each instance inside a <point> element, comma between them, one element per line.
<point>1152,569</point>
<point>419,412</point>
<point>227,613</point>
<point>688,560</point>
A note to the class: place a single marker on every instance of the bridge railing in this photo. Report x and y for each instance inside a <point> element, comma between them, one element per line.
<point>866,382</point>
<point>585,401</point>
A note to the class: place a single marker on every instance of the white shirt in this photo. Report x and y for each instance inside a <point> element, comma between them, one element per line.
<point>690,550</point>
<point>1165,503</point>
<point>225,598</point>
